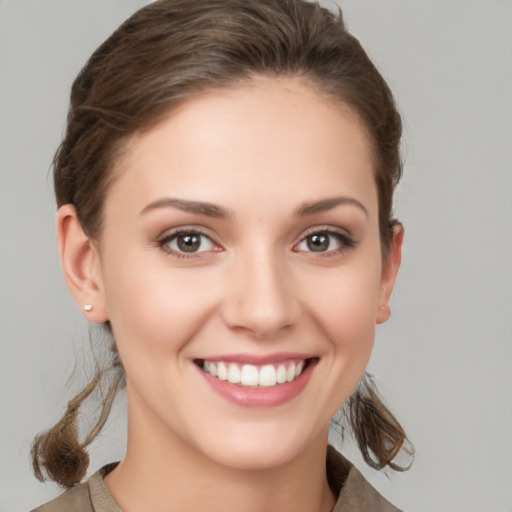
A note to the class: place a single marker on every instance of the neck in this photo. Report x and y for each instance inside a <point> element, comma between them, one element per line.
<point>162,472</point>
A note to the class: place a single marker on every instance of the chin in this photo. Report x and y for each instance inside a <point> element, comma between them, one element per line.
<point>262,449</point>
<point>244,458</point>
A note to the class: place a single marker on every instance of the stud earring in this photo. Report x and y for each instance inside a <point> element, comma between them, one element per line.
<point>87,307</point>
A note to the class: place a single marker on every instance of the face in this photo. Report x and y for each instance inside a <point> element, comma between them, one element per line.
<point>241,271</point>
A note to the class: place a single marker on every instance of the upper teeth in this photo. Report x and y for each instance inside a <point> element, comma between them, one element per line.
<point>251,375</point>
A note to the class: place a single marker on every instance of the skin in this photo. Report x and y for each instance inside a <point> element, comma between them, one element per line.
<point>260,152</point>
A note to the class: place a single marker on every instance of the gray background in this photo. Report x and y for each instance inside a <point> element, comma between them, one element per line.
<point>444,361</point>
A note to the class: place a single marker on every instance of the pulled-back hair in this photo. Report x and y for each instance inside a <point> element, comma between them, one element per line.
<point>173,50</point>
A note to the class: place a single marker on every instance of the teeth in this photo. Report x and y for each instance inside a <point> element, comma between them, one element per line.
<point>267,376</point>
<point>222,371</point>
<point>299,368</point>
<point>233,374</point>
<point>281,374</point>
<point>251,375</point>
<point>290,373</point>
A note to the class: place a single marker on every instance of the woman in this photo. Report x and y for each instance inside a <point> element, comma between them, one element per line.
<point>225,208</point>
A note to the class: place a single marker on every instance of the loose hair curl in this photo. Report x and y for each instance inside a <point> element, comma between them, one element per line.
<point>172,50</point>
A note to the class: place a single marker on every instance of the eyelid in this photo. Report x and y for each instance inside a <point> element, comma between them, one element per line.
<point>325,229</point>
<point>345,238</point>
<point>170,234</point>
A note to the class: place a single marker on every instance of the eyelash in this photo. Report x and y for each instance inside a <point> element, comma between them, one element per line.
<point>174,235</point>
<point>344,240</point>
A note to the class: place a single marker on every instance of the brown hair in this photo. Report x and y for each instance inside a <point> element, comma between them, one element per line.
<point>172,50</point>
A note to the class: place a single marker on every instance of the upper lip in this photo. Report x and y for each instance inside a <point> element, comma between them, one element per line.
<point>259,360</point>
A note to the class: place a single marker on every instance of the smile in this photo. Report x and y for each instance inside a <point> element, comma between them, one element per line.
<point>250,381</point>
<point>249,375</point>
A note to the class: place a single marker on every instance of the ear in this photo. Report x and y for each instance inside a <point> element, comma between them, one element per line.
<point>390,268</point>
<point>80,264</point>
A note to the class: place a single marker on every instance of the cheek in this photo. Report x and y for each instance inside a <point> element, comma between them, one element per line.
<point>345,304</point>
<point>151,308</point>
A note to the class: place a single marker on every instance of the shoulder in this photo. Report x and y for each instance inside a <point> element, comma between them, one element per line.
<point>76,499</point>
<point>90,496</point>
<point>354,492</point>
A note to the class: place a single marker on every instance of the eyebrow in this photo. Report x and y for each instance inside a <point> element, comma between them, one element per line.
<point>198,207</point>
<point>324,205</point>
<point>212,210</point>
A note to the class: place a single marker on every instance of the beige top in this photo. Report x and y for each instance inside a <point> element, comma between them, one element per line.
<point>355,494</point>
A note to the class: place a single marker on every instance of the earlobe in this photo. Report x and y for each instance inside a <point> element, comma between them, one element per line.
<point>80,265</point>
<point>389,272</point>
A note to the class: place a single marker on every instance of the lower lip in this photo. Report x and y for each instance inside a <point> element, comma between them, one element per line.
<point>260,397</point>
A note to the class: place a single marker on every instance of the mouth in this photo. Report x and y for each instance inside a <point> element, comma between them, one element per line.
<point>255,376</point>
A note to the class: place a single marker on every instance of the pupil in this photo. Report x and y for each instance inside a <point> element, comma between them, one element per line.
<point>318,242</point>
<point>189,243</point>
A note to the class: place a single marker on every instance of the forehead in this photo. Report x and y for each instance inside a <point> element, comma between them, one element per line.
<point>272,137</point>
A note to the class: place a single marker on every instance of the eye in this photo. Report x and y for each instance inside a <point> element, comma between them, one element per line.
<point>187,242</point>
<point>325,241</point>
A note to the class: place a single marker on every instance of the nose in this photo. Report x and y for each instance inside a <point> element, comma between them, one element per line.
<point>260,298</point>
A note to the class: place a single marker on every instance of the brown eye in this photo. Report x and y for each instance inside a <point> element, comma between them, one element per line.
<point>318,242</point>
<point>329,241</point>
<point>187,242</point>
<point>190,242</point>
